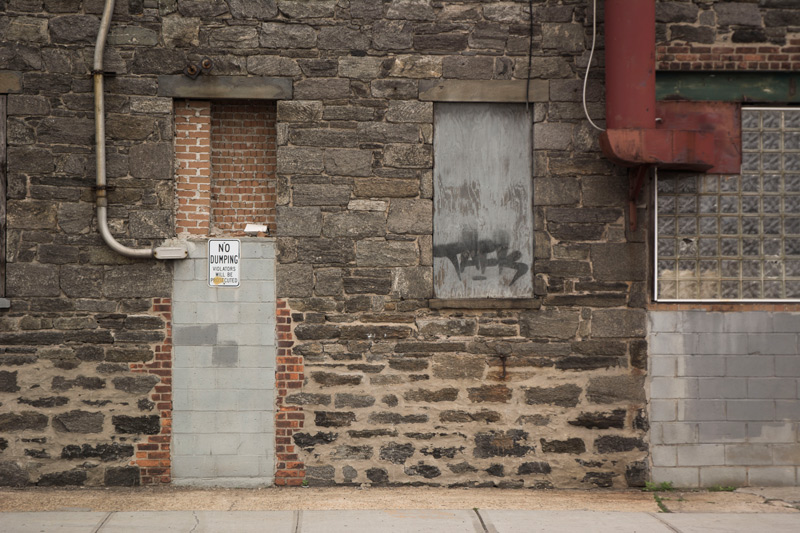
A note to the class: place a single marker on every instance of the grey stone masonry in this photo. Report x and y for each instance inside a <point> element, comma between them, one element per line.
<point>725,397</point>
<point>224,371</point>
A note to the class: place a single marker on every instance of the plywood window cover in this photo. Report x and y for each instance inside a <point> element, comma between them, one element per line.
<point>786,159</point>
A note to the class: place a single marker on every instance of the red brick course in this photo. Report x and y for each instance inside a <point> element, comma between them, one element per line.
<point>289,419</point>
<point>680,56</point>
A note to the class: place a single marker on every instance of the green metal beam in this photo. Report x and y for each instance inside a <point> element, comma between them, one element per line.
<point>751,87</point>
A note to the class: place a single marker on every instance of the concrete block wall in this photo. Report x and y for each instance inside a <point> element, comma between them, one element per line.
<point>224,371</point>
<point>724,397</point>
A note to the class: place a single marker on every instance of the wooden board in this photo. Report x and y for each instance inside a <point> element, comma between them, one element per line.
<point>483,218</point>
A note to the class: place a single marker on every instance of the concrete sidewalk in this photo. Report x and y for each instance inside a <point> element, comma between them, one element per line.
<point>411,521</point>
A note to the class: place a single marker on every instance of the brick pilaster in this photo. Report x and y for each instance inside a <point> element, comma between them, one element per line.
<point>193,172</point>
<point>289,419</point>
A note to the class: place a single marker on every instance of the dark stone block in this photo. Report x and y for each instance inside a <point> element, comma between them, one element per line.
<point>306,398</point>
<point>333,419</point>
<point>563,395</point>
<point>637,474</point>
<point>535,467</point>
<point>142,425</point>
<point>596,347</point>
<point>396,453</point>
<point>352,452</point>
<point>8,381</point>
<point>501,444</point>
<point>396,418</point>
<point>367,285</point>
<point>588,362</point>
<point>330,379</point>
<point>50,401</point>
<point>613,389</point>
<point>62,479</point>
<point>639,354</point>
<point>105,452</point>
<point>353,400</point>
<point>26,420</point>
<point>464,416</point>
<point>490,393</point>
<point>3,444</point>
<point>699,34</point>
<point>125,476</point>
<point>89,383</point>
<point>37,454</point>
<point>390,400</point>
<point>137,384</point>
<point>308,441</point>
<point>378,476</point>
<point>615,443</point>
<point>602,480</point>
<point>11,475</point>
<point>320,472</point>
<point>496,471</point>
<point>641,421</point>
<point>78,421</point>
<point>421,469</point>
<point>371,433</point>
<point>438,453</point>
<point>574,445</point>
<point>422,395</point>
<point>462,468</point>
<point>408,365</point>
<point>307,331</point>
<point>600,420</point>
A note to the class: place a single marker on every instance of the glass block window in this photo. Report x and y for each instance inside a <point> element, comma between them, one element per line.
<point>723,237</point>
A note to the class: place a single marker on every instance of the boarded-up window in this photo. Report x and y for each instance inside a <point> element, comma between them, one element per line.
<point>483,221</point>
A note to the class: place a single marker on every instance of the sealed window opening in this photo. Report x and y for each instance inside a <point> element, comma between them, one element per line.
<point>735,237</point>
<point>483,218</point>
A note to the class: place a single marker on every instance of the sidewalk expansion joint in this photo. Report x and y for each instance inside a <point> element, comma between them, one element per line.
<point>103,522</point>
<point>670,526</point>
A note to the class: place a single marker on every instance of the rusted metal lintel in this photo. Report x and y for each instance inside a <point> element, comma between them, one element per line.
<point>665,148</point>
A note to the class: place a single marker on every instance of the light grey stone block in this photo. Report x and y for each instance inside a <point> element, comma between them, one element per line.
<point>226,356</point>
<point>184,313</point>
<point>183,270</point>
<point>663,365</point>
<point>663,410</point>
<point>772,343</point>
<point>257,313</point>
<point>205,335</point>
<point>772,476</point>
<point>701,322</point>
<point>786,454</point>
<point>256,400</point>
<point>667,344</point>
<point>784,388</point>
<point>258,249</point>
<point>258,269</point>
<point>701,455</point>
<point>679,433</point>
<point>723,476</point>
<point>722,432</point>
<point>701,365</point>
<point>696,410</point>
<point>748,454</point>
<point>747,322</point>
<point>772,433</point>
<point>786,322</point>
<point>663,321</point>
<point>787,365</point>
<point>665,456</point>
<point>751,366</point>
<point>239,334</point>
<point>194,291</point>
<point>682,477</point>
<point>257,357</point>
<point>715,388</point>
<point>718,344</point>
<point>665,388</point>
<point>750,410</point>
<point>787,409</point>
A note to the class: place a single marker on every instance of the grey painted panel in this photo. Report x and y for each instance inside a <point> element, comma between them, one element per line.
<point>483,222</point>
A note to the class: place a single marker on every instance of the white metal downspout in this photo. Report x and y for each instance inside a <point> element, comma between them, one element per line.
<point>171,252</point>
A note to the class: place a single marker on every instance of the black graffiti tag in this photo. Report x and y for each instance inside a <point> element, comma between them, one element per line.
<point>472,251</point>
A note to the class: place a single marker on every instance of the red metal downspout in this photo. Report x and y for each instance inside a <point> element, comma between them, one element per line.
<point>632,139</point>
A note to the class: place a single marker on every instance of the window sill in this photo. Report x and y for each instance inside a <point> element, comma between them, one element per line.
<point>484,303</point>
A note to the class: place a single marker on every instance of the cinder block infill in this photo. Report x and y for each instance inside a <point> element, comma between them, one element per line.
<point>225,482</point>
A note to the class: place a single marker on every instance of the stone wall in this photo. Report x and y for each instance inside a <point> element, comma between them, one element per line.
<point>397,388</point>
